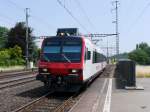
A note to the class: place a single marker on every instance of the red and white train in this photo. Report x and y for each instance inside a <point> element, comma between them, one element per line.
<point>69,62</point>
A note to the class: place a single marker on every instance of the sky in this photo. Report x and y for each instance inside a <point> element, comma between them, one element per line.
<point>94,16</point>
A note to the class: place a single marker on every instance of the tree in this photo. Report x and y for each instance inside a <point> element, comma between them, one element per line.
<point>141,54</point>
<point>143,46</point>
<point>17,36</point>
<point>3,36</point>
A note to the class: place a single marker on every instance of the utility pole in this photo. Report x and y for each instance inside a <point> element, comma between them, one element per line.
<point>27,39</point>
<point>116,25</point>
<point>117,33</point>
<point>107,50</point>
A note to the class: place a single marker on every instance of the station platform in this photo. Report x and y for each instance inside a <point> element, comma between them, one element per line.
<point>131,100</point>
<point>104,96</point>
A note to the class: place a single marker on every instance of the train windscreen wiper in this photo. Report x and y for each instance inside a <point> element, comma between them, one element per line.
<point>66,58</point>
<point>46,58</point>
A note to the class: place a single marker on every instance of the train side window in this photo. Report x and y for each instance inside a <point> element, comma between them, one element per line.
<point>85,55</point>
<point>88,55</point>
<point>94,57</point>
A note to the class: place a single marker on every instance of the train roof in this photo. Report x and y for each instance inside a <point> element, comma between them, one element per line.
<point>87,40</point>
<point>64,38</point>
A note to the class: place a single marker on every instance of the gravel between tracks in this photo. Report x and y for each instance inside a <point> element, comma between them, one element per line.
<point>12,98</point>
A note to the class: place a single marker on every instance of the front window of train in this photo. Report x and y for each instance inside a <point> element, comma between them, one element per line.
<point>62,51</point>
<point>72,50</point>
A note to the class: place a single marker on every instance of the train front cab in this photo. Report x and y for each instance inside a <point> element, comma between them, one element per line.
<point>61,63</point>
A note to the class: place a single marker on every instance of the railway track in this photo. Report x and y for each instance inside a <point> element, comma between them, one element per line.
<point>13,71</point>
<point>16,74</point>
<point>16,81</point>
<point>48,103</point>
<point>8,79</point>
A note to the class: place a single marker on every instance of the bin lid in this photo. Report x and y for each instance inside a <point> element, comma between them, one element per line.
<point>120,60</point>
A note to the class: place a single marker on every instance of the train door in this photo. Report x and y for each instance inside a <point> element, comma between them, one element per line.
<point>87,64</point>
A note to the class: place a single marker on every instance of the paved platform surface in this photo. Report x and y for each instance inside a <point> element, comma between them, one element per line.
<point>132,100</point>
<point>104,96</point>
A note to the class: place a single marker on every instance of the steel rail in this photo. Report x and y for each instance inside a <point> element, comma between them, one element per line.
<point>15,74</point>
<point>57,107</point>
<point>18,82</point>
<point>16,79</point>
<point>32,102</point>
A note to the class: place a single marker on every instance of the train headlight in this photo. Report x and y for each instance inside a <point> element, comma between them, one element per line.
<point>74,71</point>
<point>45,70</point>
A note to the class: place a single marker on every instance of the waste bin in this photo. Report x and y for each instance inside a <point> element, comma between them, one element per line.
<point>126,70</point>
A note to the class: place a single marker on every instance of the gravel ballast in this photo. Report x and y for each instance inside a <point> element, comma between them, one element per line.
<point>13,98</point>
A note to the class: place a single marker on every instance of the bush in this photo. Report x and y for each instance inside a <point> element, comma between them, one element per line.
<point>4,54</point>
<point>11,57</point>
<point>20,61</point>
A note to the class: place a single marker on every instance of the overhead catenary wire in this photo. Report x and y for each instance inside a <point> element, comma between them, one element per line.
<point>16,5</point>
<point>10,19</point>
<point>7,17</point>
<point>5,21</point>
<point>44,22</point>
<point>142,12</point>
<point>71,14</point>
<point>84,13</point>
<point>68,11</point>
<point>139,17</point>
<point>88,19</point>
<point>22,9</point>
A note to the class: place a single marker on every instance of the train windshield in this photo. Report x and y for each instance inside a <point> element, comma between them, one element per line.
<point>62,51</point>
